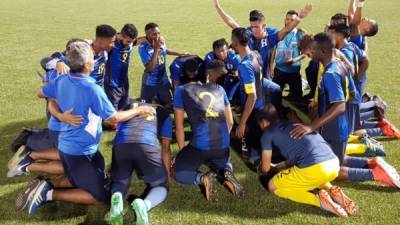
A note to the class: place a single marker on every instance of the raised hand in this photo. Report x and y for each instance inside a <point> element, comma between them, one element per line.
<point>304,12</point>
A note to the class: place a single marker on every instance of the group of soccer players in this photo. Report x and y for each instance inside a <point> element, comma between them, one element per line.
<point>237,86</point>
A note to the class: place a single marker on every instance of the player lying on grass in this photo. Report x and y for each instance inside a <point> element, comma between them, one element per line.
<point>332,121</point>
<point>262,38</point>
<point>153,53</point>
<point>310,166</point>
<point>210,118</point>
<point>84,181</point>
<point>136,147</point>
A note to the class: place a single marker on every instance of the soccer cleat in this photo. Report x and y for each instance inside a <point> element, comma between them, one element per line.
<point>366,97</point>
<point>384,173</point>
<point>233,184</point>
<point>140,209</point>
<point>117,206</point>
<point>39,198</point>
<point>341,198</point>
<point>21,153</point>
<point>25,197</point>
<point>209,181</point>
<point>389,129</point>
<point>379,101</point>
<point>21,139</point>
<point>19,166</point>
<point>329,205</point>
<point>373,147</point>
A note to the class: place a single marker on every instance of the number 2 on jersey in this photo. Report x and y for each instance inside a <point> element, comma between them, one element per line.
<point>210,113</point>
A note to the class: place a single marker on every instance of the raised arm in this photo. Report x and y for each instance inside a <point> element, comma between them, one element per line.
<point>356,20</point>
<point>225,17</point>
<point>304,12</point>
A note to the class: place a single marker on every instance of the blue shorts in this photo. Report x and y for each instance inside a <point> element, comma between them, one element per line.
<point>162,92</point>
<point>43,139</point>
<point>86,172</point>
<point>339,148</point>
<point>135,156</point>
<point>190,159</point>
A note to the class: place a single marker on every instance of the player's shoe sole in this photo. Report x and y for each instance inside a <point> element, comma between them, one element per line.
<point>329,205</point>
<point>17,157</point>
<point>23,198</point>
<point>233,184</point>
<point>382,169</point>
<point>343,200</point>
<point>209,181</point>
<point>139,207</point>
<point>116,216</point>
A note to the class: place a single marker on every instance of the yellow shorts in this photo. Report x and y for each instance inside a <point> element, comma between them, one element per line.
<point>308,178</point>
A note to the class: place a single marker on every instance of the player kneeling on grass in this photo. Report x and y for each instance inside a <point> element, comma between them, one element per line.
<point>84,181</point>
<point>136,147</point>
<point>310,165</point>
<point>209,114</point>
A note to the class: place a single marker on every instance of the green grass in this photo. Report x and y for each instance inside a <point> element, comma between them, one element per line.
<point>31,29</point>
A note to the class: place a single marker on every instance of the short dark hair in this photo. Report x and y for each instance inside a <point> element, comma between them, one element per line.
<point>241,35</point>
<point>105,31</point>
<point>292,12</point>
<point>340,16</point>
<point>373,31</point>
<point>306,42</point>
<point>268,113</point>
<point>129,30</point>
<point>150,26</point>
<point>219,43</point>
<point>256,15</point>
<point>342,29</point>
<point>191,65</point>
<point>324,41</point>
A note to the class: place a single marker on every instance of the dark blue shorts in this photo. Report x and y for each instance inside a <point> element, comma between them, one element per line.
<point>135,156</point>
<point>118,96</point>
<point>354,117</point>
<point>190,159</point>
<point>339,148</point>
<point>43,139</point>
<point>87,173</point>
<point>162,92</point>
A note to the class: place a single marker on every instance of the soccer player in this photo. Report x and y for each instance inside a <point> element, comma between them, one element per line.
<point>177,68</point>
<point>116,83</point>
<point>231,80</point>
<point>153,53</point>
<point>332,121</point>
<point>136,147</point>
<point>288,59</point>
<point>84,181</point>
<point>101,45</point>
<point>310,164</point>
<point>262,38</point>
<point>210,118</point>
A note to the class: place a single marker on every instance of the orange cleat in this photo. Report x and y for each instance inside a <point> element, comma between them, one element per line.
<point>385,173</point>
<point>329,205</point>
<point>389,129</point>
<point>341,198</point>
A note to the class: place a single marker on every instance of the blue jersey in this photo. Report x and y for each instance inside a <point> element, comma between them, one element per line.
<point>272,93</point>
<point>307,151</point>
<point>204,105</point>
<point>264,46</point>
<point>54,124</point>
<point>359,40</point>
<point>353,54</point>
<point>288,49</point>
<point>159,74</point>
<point>99,69</point>
<point>231,63</point>
<point>332,89</point>
<point>251,79</point>
<point>176,68</point>
<point>145,129</point>
<point>117,65</point>
<point>80,93</point>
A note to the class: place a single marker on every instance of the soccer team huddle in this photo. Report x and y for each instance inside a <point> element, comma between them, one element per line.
<point>298,142</point>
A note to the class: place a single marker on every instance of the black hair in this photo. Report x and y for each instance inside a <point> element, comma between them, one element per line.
<point>338,17</point>
<point>256,15</point>
<point>268,113</point>
<point>292,12</point>
<point>324,41</point>
<point>129,30</point>
<point>105,31</point>
<point>150,26</point>
<point>373,31</point>
<point>193,66</point>
<point>342,29</point>
<point>219,43</point>
<point>241,35</point>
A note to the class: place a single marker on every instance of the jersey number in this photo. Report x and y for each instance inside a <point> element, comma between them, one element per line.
<point>210,113</point>
<point>124,57</point>
<point>101,68</point>
<point>161,60</point>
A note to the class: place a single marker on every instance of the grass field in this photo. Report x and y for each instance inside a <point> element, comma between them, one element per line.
<point>31,29</point>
